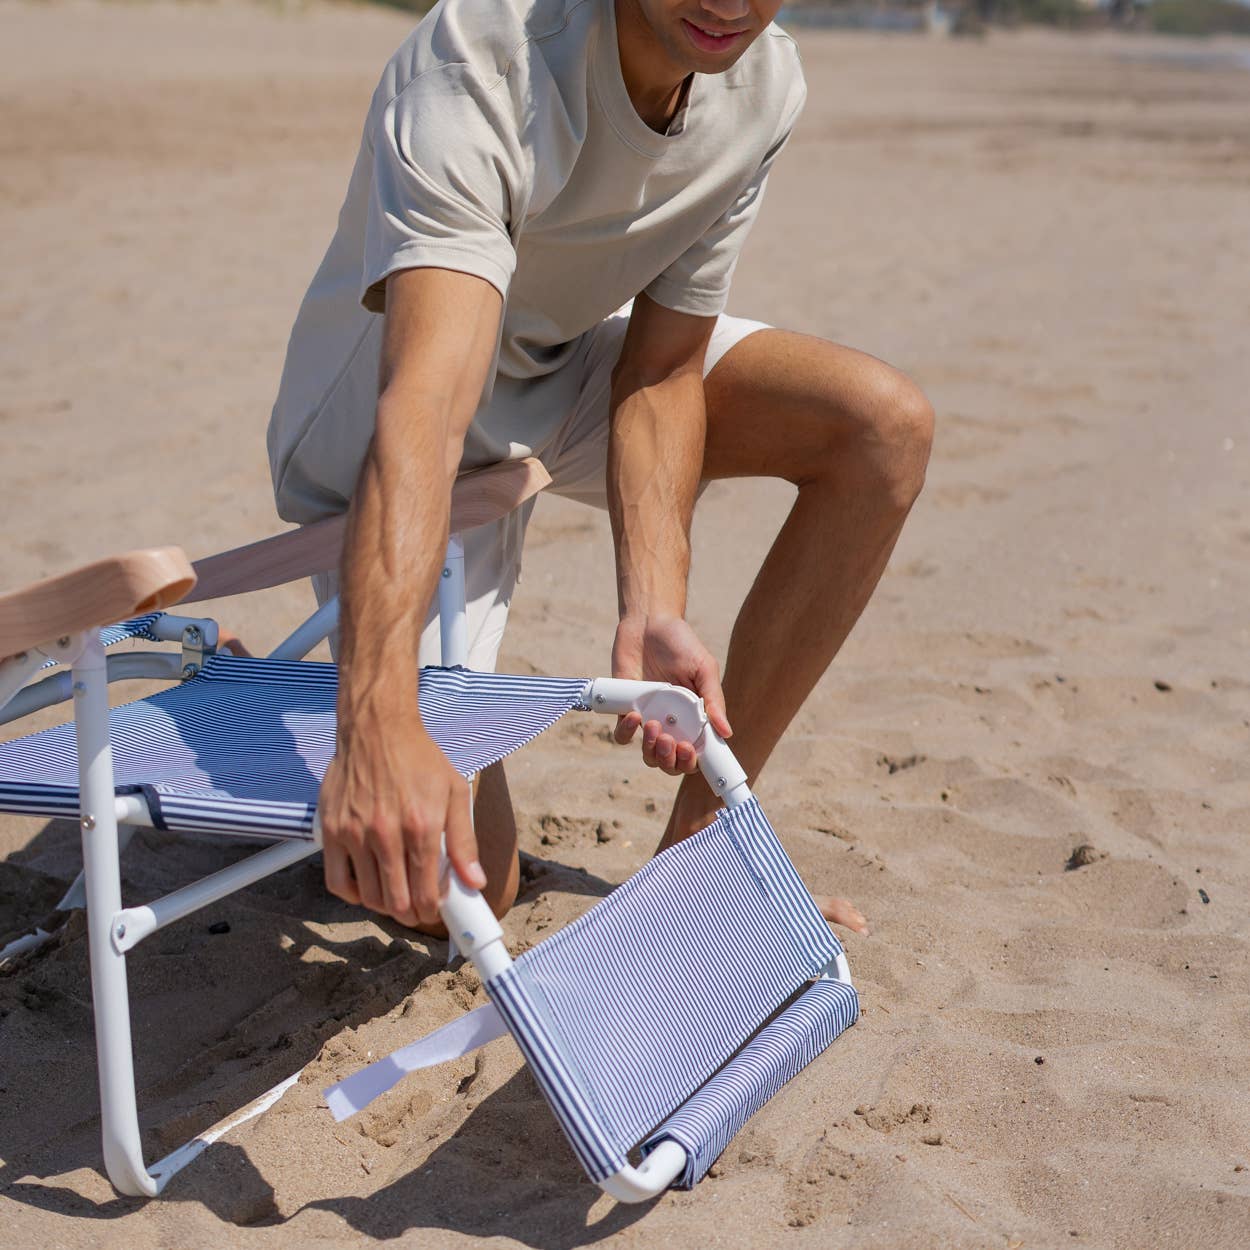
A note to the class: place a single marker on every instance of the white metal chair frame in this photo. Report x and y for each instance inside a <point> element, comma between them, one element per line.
<point>108,819</point>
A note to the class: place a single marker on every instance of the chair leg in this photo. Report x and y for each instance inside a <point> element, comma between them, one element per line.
<point>76,896</point>
<point>123,1151</point>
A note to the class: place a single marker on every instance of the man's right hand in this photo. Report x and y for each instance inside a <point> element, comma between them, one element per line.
<point>388,797</point>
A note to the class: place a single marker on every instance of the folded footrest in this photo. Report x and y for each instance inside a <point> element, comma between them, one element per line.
<point>706,1124</point>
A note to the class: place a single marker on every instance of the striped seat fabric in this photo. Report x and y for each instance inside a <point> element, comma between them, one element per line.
<point>642,1002</point>
<point>242,747</point>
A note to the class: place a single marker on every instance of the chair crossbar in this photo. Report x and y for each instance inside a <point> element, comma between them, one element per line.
<point>706,1124</point>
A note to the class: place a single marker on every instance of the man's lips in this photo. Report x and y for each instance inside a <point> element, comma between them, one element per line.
<point>710,40</point>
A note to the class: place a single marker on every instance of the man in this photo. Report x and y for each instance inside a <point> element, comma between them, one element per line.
<point>527,168</point>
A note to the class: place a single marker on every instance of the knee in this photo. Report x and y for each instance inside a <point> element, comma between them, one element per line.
<point>887,440</point>
<point>908,433</point>
<point>501,895</point>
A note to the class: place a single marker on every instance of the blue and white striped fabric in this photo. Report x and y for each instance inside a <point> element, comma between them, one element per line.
<point>242,747</point>
<point>628,1011</point>
<point>708,1122</point>
<point>111,635</point>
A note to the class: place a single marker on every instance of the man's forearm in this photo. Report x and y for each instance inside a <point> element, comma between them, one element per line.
<point>392,555</point>
<point>655,458</point>
<point>437,343</point>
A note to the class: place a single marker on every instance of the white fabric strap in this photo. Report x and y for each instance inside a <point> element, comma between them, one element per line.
<point>460,1037</point>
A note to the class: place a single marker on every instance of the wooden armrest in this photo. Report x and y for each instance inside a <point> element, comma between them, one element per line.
<point>479,497</point>
<point>97,594</point>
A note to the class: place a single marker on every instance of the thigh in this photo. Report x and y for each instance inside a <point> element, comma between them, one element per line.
<point>779,402</point>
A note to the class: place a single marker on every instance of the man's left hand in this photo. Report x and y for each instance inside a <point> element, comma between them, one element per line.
<point>666,649</point>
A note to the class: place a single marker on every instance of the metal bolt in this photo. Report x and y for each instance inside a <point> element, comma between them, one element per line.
<point>88,823</point>
<point>63,641</point>
<point>671,719</point>
<point>80,687</point>
<point>447,572</point>
<point>601,698</point>
<point>121,930</point>
<point>720,783</point>
<point>192,634</point>
<point>190,670</point>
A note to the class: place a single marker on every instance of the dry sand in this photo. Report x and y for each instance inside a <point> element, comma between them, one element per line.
<point>1051,234</point>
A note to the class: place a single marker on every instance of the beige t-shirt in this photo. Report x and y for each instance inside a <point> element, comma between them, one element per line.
<point>501,142</point>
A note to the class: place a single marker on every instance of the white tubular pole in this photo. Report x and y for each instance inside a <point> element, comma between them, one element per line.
<point>159,665</point>
<point>682,714</point>
<point>470,922</point>
<point>650,1178</point>
<point>171,628</point>
<point>472,925</point>
<point>76,896</point>
<point>453,623</point>
<point>131,926</point>
<point>123,1151</point>
<point>318,627</point>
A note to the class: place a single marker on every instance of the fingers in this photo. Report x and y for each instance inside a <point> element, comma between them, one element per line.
<point>626,727</point>
<point>339,879</point>
<point>707,685</point>
<point>392,864</point>
<point>461,842</point>
<point>663,751</point>
<point>423,884</point>
<point>365,870</point>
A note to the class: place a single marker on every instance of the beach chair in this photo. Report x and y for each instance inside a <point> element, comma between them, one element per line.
<point>661,1019</point>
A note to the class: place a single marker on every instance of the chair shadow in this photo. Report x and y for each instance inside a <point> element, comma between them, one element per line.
<point>506,1172</point>
<point>270,933</point>
<point>277,984</point>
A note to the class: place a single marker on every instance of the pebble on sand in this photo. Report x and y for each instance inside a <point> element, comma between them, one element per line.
<point>1085,853</point>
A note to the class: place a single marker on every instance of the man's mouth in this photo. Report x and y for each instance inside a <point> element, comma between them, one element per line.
<point>711,40</point>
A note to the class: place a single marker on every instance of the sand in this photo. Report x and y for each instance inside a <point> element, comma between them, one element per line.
<point>1050,234</point>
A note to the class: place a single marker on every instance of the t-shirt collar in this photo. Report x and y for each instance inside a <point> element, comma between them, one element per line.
<point>609,85</point>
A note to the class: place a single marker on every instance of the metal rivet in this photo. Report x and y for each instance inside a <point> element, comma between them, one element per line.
<point>720,783</point>
<point>63,641</point>
<point>601,698</point>
<point>193,633</point>
<point>88,823</point>
<point>447,572</point>
<point>80,687</point>
<point>190,670</point>
<point>671,719</point>
<point>121,930</point>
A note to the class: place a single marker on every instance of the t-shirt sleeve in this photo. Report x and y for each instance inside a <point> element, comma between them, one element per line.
<point>448,181</point>
<point>698,281</point>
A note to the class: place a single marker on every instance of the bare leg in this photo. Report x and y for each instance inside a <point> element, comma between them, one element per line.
<point>853,435</point>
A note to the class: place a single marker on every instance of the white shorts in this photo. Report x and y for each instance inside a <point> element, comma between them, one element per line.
<point>577,459</point>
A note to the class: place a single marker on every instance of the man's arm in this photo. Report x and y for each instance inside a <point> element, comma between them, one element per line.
<point>655,460</point>
<point>390,793</point>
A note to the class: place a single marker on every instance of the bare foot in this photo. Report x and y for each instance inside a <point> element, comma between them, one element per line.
<point>842,911</point>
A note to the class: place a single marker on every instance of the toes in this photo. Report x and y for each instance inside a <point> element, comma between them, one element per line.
<point>842,911</point>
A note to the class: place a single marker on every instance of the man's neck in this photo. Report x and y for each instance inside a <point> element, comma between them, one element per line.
<point>655,85</point>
